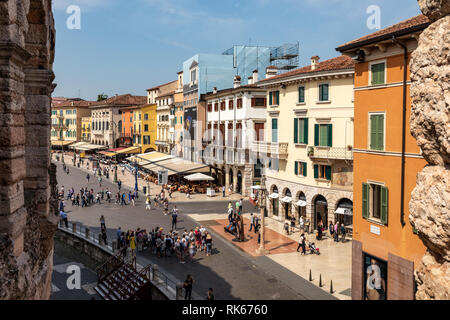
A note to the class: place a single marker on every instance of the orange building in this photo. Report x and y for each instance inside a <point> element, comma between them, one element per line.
<point>386,249</point>
<point>126,132</point>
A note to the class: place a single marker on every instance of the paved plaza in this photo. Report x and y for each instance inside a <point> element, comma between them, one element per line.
<point>234,271</point>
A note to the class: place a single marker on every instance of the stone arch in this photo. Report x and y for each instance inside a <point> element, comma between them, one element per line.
<point>344,203</point>
<point>273,204</point>
<point>286,206</point>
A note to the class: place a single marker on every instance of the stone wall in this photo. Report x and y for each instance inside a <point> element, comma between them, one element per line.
<point>430,111</point>
<point>27,218</point>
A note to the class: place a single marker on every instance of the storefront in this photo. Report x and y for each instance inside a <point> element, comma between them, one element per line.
<point>274,201</point>
<point>301,207</point>
<point>320,211</point>
<point>287,204</point>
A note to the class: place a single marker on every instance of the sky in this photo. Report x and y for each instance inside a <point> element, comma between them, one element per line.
<point>127,46</point>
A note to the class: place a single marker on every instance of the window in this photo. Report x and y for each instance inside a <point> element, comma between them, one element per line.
<point>146,139</point>
<point>300,168</point>
<point>274,98</point>
<point>230,105</point>
<point>274,130</point>
<point>375,202</point>
<point>209,107</point>
<point>377,131</point>
<point>140,116</point>
<point>181,120</point>
<point>239,103</point>
<point>301,131</point>
<point>301,94</point>
<point>323,92</point>
<point>222,106</point>
<point>145,116</point>
<point>378,73</point>
<point>146,127</point>
<point>323,135</point>
<point>193,75</point>
<point>274,164</point>
<point>258,102</point>
<point>322,172</point>
<point>216,106</point>
<point>74,111</point>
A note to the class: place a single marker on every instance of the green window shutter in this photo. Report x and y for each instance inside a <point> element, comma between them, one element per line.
<point>323,138</point>
<point>304,169</point>
<point>274,130</point>
<point>328,173</point>
<point>316,171</point>
<point>316,135</point>
<point>296,168</point>
<point>378,73</point>
<point>330,135</point>
<point>270,98</point>
<point>380,132</point>
<point>365,200</point>
<point>277,97</point>
<point>301,94</point>
<point>373,132</point>
<point>296,130</point>
<point>384,205</point>
<point>305,131</point>
<point>181,120</point>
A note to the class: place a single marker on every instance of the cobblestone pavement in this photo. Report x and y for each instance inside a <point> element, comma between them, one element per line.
<point>232,273</point>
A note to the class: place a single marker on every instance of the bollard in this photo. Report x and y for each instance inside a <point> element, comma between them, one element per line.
<point>320,281</point>
<point>310,275</point>
<point>74,227</point>
<point>155,272</point>
<point>86,232</point>
<point>179,293</point>
<point>331,287</point>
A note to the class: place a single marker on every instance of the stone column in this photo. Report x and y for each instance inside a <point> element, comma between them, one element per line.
<point>227,178</point>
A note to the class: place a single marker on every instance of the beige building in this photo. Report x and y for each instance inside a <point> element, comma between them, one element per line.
<point>308,142</point>
<point>66,121</point>
<point>163,96</point>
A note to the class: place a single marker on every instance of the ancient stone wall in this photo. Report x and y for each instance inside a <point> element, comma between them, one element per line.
<point>27,179</point>
<point>430,111</point>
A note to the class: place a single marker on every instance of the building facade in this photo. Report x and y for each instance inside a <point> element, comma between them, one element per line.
<point>308,142</point>
<point>233,117</point>
<point>86,129</point>
<point>177,118</point>
<point>386,249</point>
<point>149,128</point>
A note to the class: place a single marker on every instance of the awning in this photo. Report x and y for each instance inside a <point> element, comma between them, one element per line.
<point>84,146</point>
<point>301,203</point>
<point>116,149</point>
<point>255,187</point>
<point>198,177</point>
<point>344,211</point>
<point>130,150</point>
<point>274,196</point>
<point>287,199</point>
<point>59,143</point>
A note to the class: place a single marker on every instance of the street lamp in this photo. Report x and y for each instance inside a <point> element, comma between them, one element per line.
<point>115,152</point>
<point>262,205</point>
<point>136,175</point>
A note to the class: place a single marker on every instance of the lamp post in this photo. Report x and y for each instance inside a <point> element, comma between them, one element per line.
<point>135,175</point>
<point>262,205</point>
<point>115,152</point>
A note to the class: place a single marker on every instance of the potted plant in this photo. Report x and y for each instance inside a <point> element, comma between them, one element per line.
<point>310,151</point>
<point>349,148</point>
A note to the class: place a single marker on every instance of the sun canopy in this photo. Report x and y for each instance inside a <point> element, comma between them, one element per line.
<point>198,177</point>
<point>274,196</point>
<point>301,203</point>
<point>59,143</point>
<point>344,211</point>
<point>84,146</point>
<point>287,199</point>
<point>130,150</point>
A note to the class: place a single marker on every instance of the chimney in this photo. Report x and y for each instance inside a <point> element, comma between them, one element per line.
<point>255,76</point>
<point>250,80</point>
<point>237,81</point>
<point>215,90</point>
<point>314,62</point>
<point>271,71</point>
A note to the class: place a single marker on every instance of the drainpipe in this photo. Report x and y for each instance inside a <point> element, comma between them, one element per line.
<point>405,75</point>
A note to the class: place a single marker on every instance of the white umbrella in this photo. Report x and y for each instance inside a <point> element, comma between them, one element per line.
<point>199,177</point>
<point>301,203</point>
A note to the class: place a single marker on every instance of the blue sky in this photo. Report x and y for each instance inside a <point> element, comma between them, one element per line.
<point>129,46</point>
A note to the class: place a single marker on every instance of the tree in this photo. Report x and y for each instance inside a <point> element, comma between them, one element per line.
<point>102,97</point>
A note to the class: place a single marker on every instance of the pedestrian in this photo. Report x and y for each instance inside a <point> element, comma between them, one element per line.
<point>300,242</point>
<point>123,200</point>
<point>133,244</point>
<point>148,203</point>
<point>336,232</point>
<point>119,184</point>
<point>188,287</point>
<point>132,200</point>
<point>67,171</point>
<point>223,191</point>
<point>286,228</point>
<point>102,222</point>
<point>104,237</point>
<point>210,294</point>
<point>252,222</point>
<point>331,228</point>
<point>292,223</point>
<point>343,231</point>
<point>63,216</point>
<point>302,224</point>
<point>170,193</point>
<point>118,234</point>
<point>208,244</point>
<point>174,218</point>
<point>88,177</point>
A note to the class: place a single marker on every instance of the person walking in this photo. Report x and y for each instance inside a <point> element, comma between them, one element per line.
<point>132,200</point>
<point>102,222</point>
<point>302,224</point>
<point>148,203</point>
<point>119,184</point>
<point>63,216</point>
<point>208,242</point>
<point>188,287</point>
<point>252,222</point>
<point>88,177</point>
<point>331,228</point>
<point>292,223</point>
<point>174,218</point>
<point>223,191</point>
<point>133,244</point>
<point>336,232</point>
<point>123,200</point>
<point>343,231</point>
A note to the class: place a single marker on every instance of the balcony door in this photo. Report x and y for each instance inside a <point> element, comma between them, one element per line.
<point>259,129</point>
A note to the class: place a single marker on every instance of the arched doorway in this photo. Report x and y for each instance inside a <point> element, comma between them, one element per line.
<point>320,211</point>
<point>239,182</point>
<point>301,206</point>
<point>287,204</point>
<point>274,200</point>
<point>344,212</point>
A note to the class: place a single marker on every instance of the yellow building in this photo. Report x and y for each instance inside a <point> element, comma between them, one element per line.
<point>66,122</point>
<point>86,129</point>
<point>137,126</point>
<point>149,128</point>
<point>308,139</point>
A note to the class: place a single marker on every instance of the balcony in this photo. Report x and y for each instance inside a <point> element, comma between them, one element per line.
<point>272,148</point>
<point>330,153</point>
<point>162,142</point>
